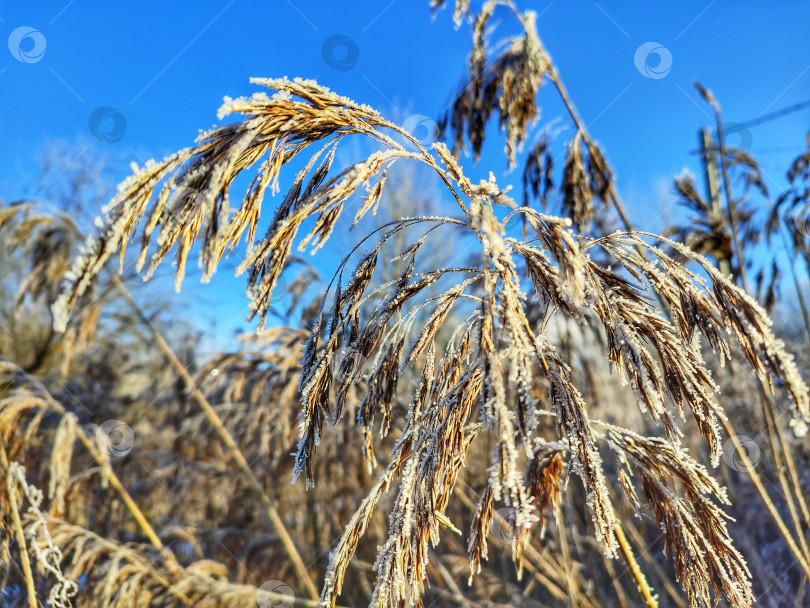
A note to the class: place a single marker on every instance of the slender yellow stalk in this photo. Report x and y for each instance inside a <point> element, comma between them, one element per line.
<point>114,481</point>
<point>15,517</point>
<point>615,577</point>
<point>659,572</point>
<point>228,440</point>
<point>763,493</point>
<point>778,447</point>
<point>646,592</point>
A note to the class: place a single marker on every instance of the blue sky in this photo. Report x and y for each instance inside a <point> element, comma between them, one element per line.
<point>163,68</point>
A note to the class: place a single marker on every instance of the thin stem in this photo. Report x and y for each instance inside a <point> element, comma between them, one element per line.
<point>106,471</point>
<point>767,401</point>
<point>800,594</point>
<point>659,572</point>
<point>730,206</point>
<point>15,516</point>
<point>611,189</point>
<point>547,572</point>
<point>621,594</point>
<point>799,295</point>
<point>569,106</point>
<point>770,423</point>
<point>646,592</point>
<point>455,592</point>
<point>115,482</point>
<point>429,160</point>
<point>566,554</point>
<point>763,492</point>
<point>773,425</point>
<point>228,440</point>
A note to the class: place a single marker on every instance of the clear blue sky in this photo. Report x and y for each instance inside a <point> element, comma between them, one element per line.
<point>165,66</point>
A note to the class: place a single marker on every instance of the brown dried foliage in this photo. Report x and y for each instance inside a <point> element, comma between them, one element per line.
<point>488,373</point>
<point>373,351</point>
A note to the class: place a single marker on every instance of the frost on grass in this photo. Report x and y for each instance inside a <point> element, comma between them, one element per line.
<point>487,378</point>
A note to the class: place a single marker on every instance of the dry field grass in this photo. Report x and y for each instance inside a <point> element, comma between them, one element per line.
<point>573,416</point>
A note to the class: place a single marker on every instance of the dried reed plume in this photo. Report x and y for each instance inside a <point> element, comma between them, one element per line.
<point>482,381</point>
